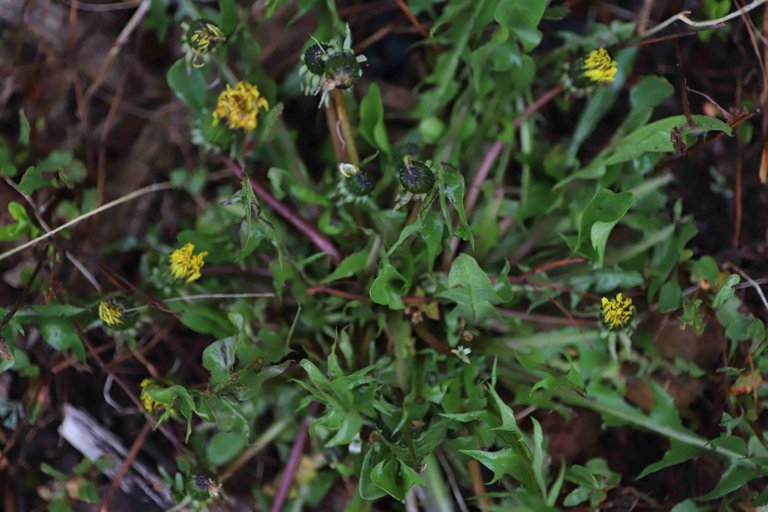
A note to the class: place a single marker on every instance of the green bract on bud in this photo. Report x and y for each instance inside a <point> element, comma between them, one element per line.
<point>356,181</point>
<point>316,57</point>
<point>416,177</point>
<point>201,37</point>
<point>342,69</point>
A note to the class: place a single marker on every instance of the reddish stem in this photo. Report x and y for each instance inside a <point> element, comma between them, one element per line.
<point>320,241</point>
<point>416,23</point>
<point>545,267</point>
<point>293,462</point>
<point>492,154</point>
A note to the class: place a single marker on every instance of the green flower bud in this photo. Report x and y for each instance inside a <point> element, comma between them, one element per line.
<point>316,57</point>
<point>342,69</point>
<point>355,181</point>
<point>416,177</point>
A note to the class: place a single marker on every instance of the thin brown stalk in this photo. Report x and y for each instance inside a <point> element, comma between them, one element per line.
<point>416,23</point>
<point>332,121</point>
<point>135,447</point>
<point>346,128</point>
<point>477,483</point>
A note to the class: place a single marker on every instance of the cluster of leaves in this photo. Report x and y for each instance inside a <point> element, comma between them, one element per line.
<point>419,346</point>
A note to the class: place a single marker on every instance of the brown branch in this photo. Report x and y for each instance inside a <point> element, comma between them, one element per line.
<point>292,464</point>
<point>22,297</point>
<point>317,238</point>
<point>430,339</point>
<point>545,267</point>
<point>128,391</point>
<point>135,447</point>
<point>477,484</point>
<point>416,23</point>
<point>346,129</point>
<point>490,158</point>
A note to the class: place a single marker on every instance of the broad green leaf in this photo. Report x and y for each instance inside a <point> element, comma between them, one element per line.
<point>677,454</point>
<point>686,506</point>
<point>656,137</point>
<point>351,265</point>
<point>350,427</point>
<point>218,358</point>
<point>176,399</point>
<point>650,91</point>
<point>735,476</point>
<point>431,231</point>
<point>388,288</point>
<point>471,289</point>
<point>205,320</point>
<point>230,16</point>
<point>32,180</point>
<point>670,296</point>
<point>189,85</point>
<point>372,120</point>
<point>726,291</point>
<point>367,489</point>
<point>224,446</point>
<point>602,213</point>
<point>22,227</point>
<point>522,18</point>
<point>394,477</point>
<point>453,181</point>
<point>61,334</point>
<point>704,269</point>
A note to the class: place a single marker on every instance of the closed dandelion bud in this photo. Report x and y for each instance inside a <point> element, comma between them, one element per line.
<point>416,177</point>
<point>342,69</point>
<point>316,57</point>
<point>355,181</point>
<point>202,36</point>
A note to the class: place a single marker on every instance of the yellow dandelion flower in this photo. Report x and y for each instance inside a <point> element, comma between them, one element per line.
<point>617,312</point>
<point>239,106</point>
<point>599,67</point>
<point>150,404</point>
<point>110,312</point>
<point>185,264</point>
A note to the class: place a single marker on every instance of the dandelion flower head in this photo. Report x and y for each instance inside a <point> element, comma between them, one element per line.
<point>617,312</point>
<point>185,264</point>
<point>110,312</point>
<point>599,67</point>
<point>239,106</point>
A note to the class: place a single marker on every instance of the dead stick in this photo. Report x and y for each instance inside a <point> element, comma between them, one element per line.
<point>135,447</point>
